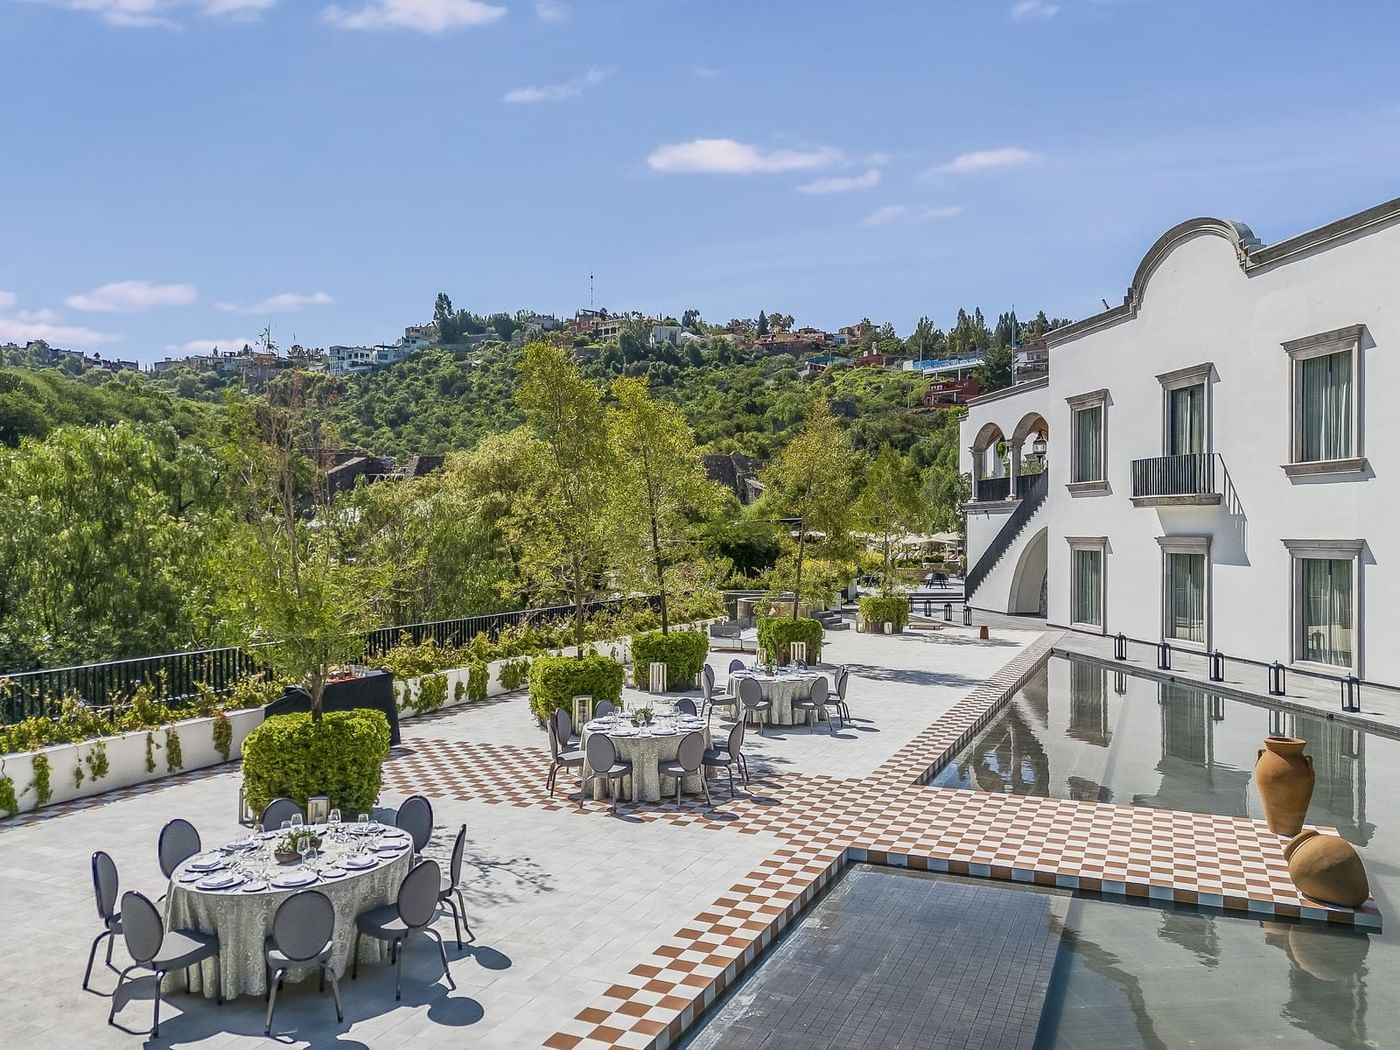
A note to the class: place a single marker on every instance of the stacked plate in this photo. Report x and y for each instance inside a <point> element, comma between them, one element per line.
<point>206,863</point>
<point>255,886</point>
<point>359,862</point>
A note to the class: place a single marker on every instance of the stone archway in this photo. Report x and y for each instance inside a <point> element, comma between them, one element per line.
<point>1029,584</point>
<point>1032,425</point>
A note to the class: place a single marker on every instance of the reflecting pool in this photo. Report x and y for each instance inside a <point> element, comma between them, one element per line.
<point>1131,975</point>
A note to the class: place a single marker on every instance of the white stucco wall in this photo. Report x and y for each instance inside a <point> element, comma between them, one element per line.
<point>1198,306</point>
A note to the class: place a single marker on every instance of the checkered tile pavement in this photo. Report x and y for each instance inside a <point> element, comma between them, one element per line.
<point>891,818</point>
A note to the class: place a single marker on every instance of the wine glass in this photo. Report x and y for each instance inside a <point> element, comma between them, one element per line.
<point>297,820</point>
<point>363,821</point>
<point>286,826</point>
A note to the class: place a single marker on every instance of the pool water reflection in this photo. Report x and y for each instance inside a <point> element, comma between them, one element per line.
<point>1145,976</point>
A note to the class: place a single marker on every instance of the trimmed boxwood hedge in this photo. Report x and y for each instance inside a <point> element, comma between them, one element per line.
<point>775,632</point>
<point>683,653</point>
<point>556,680</point>
<point>885,608</point>
<point>340,756</point>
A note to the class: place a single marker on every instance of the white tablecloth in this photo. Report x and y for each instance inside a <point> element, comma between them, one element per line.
<point>243,920</point>
<point>782,688</point>
<point>644,751</point>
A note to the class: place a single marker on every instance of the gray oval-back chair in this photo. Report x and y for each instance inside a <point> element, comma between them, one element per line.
<point>755,703</point>
<point>711,700</point>
<point>161,951</point>
<point>690,758</point>
<point>451,891</point>
<point>727,755</point>
<point>412,913</point>
<point>815,704</point>
<point>104,888</point>
<point>603,761</point>
<point>303,935</point>
<point>843,676</point>
<point>736,665</point>
<point>686,706</point>
<point>178,842</point>
<point>562,754</point>
<point>415,816</point>
<point>603,708</point>
<point>278,810</point>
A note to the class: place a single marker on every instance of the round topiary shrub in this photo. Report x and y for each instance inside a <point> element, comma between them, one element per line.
<point>683,653</point>
<point>885,608</point>
<point>776,633</point>
<point>556,680</point>
<point>341,756</point>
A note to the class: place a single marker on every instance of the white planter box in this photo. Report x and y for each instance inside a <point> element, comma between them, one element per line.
<point>126,759</point>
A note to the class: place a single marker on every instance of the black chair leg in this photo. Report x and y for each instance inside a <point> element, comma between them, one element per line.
<point>155,1018</point>
<point>456,922</point>
<point>398,971</point>
<point>355,973</point>
<point>92,957</point>
<point>465,921</point>
<point>335,991</point>
<point>121,979</point>
<point>442,951</point>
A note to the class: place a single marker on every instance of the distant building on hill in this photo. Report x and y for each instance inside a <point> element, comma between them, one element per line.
<point>347,467</point>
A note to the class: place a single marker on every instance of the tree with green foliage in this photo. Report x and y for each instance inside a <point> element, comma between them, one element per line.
<point>285,586</point>
<point>762,326</point>
<point>449,331</point>
<point>563,535</point>
<point>659,488</point>
<point>812,484</point>
<point>997,369</point>
<point>891,505</point>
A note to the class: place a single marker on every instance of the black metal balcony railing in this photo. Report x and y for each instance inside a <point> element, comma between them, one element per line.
<point>1190,475</point>
<point>991,489</point>
<point>1025,483</point>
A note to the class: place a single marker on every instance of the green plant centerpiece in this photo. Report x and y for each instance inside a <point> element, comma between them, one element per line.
<point>683,653</point>
<point>777,633</point>
<point>289,846</point>
<point>642,716</point>
<point>295,756</point>
<point>556,680</point>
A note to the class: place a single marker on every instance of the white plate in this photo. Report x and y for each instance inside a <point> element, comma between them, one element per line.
<point>223,881</point>
<point>359,862</point>
<point>396,833</point>
<point>294,880</point>
<point>207,864</point>
<point>664,732</point>
<point>255,886</point>
<point>389,847</point>
<point>333,873</point>
<point>187,877</point>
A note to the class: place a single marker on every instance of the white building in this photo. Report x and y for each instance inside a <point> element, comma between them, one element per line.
<point>1220,454</point>
<point>348,360</point>
<point>665,333</point>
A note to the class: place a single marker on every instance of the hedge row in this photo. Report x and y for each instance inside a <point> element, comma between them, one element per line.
<point>556,680</point>
<point>882,609</point>
<point>776,633</point>
<point>683,653</point>
<point>340,756</point>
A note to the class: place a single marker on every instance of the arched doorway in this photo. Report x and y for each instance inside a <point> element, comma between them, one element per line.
<point>1029,584</point>
<point>1028,448</point>
<point>991,468</point>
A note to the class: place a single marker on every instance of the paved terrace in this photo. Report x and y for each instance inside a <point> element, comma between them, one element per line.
<point>594,930</point>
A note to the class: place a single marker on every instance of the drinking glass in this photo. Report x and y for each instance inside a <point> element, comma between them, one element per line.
<point>334,818</point>
<point>286,826</point>
<point>297,820</point>
<point>363,821</point>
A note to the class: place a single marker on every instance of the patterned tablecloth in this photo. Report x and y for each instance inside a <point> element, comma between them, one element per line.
<point>782,688</point>
<point>242,915</point>
<point>644,748</point>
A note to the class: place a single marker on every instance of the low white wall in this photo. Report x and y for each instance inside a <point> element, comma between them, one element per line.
<point>126,759</point>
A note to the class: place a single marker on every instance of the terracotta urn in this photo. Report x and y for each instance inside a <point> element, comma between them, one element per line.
<point>1284,777</point>
<point>1326,868</point>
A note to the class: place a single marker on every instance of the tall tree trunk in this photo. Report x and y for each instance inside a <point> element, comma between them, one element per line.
<point>660,574</point>
<point>797,581</point>
<point>578,606</point>
<point>887,587</point>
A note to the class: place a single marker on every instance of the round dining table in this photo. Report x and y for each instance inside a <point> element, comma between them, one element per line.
<point>782,688</point>
<point>234,892</point>
<point>645,747</point>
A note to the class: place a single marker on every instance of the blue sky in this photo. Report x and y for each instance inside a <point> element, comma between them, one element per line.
<point>180,172</point>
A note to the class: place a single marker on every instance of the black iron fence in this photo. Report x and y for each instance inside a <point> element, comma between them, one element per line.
<point>1190,475</point>
<point>992,489</point>
<point>175,677</point>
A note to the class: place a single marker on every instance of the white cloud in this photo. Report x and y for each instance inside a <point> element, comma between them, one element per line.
<point>208,346</point>
<point>161,14</point>
<point>285,303</point>
<point>843,183</point>
<point>728,157</point>
<point>7,300</point>
<point>1034,10</point>
<point>904,213</point>
<point>558,92</point>
<point>551,10</point>
<point>41,316</point>
<point>984,160</point>
<point>127,297</point>
<point>425,16</point>
<point>74,337</point>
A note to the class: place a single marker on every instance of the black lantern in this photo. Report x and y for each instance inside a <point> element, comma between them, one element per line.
<point>1038,447</point>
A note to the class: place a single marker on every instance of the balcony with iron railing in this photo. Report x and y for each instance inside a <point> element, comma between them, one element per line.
<point>992,490</point>
<point>1190,480</point>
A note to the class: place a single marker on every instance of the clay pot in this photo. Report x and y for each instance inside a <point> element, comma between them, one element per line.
<point>1284,778</point>
<point>1327,869</point>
